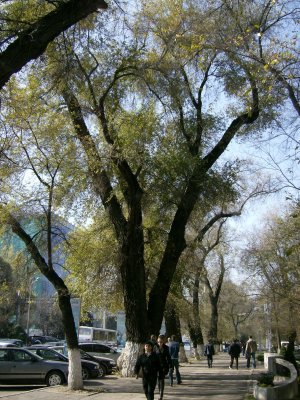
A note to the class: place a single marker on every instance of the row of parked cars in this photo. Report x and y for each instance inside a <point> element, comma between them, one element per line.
<point>47,363</point>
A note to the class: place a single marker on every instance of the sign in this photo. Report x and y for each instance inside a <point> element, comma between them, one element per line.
<point>76,304</point>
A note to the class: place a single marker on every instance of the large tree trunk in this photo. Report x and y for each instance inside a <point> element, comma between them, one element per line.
<point>172,321</point>
<point>195,323</point>
<point>213,329</point>
<point>173,327</point>
<point>129,232</point>
<point>214,299</point>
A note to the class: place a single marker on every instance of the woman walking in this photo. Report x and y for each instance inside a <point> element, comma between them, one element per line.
<point>150,365</point>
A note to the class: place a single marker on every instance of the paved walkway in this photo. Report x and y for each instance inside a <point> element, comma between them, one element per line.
<point>198,382</point>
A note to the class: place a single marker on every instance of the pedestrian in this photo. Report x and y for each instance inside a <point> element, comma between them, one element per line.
<point>243,346</point>
<point>165,363</point>
<point>174,353</point>
<point>153,339</point>
<point>209,352</point>
<point>150,365</point>
<point>234,352</point>
<point>289,354</point>
<point>251,349</point>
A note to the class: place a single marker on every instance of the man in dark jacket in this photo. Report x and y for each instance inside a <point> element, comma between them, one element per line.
<point>174,353</point>
<point>209,352</point>
<point>234,352</point>
<point>150,365</point>
<point>165,361</point>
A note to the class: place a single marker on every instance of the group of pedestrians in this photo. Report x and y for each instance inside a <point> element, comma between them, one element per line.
<point>158,361</point>
<point>248,350</point>
<point>235,349</point>
<point>161,359</point>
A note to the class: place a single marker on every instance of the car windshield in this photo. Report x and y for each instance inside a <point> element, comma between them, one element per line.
<point>84,354</point>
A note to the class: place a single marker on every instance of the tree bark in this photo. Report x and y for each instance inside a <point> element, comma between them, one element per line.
<point>172,321</point>
<point>195,323</point>
<point>32,42</point>
<point>214,299</point>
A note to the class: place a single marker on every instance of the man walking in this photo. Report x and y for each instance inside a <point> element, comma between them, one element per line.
<point>174,353</point>
<point>209,352</point>
<point>251,348</point>
<point>234,352</point>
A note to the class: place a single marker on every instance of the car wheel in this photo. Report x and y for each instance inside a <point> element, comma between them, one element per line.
<point>55,378</point>
<point>85,373</point>
<point>102,371</point>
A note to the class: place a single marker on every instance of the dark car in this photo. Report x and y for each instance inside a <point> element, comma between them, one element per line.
<point>99,349</point>
<point>39,339</point>
<point>106,365</point>
<point>19,365</point>
<point>90,369</point>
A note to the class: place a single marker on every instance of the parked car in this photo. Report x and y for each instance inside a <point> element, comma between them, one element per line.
<point>39,339</point>
<point>90,369</point>
<point>11,342</point>
<point>99,349</point>
<point>106,365</point>
<point>19,365</point>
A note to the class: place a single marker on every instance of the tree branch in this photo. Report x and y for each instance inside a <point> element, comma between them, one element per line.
<point>32,42</point>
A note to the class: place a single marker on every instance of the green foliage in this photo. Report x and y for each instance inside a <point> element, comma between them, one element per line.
<point>275,258</point>
<point>12,331</point>
<point>92,263</point>
<point>260,357</point>
<point>249,397</point>
<point>265,379</point>
<point>283,351</point>
<point>18,15</point>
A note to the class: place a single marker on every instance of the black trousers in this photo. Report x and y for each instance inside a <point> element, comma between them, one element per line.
<point>149,385</point>
<point>161,387</point>
<point>236,358</point>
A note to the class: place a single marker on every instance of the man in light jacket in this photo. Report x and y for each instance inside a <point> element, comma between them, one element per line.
<point>251,349</point>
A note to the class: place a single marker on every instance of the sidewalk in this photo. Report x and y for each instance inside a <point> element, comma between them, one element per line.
<point>198,382</point>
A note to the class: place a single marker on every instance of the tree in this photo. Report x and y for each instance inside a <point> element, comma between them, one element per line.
<point>142,318</point>
<point>258,40</point>
<point>237,305</point>
<point>145,114</point>
<point>273,259</point>
<point>38,152</point>
<point>6,297</point>
<point>23,41</point>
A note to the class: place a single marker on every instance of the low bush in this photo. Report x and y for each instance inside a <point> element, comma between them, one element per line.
<point>260,357</point>
<point>265,379</point>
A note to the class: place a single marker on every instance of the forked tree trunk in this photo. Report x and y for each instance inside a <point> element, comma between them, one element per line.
<point>140,319</point>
